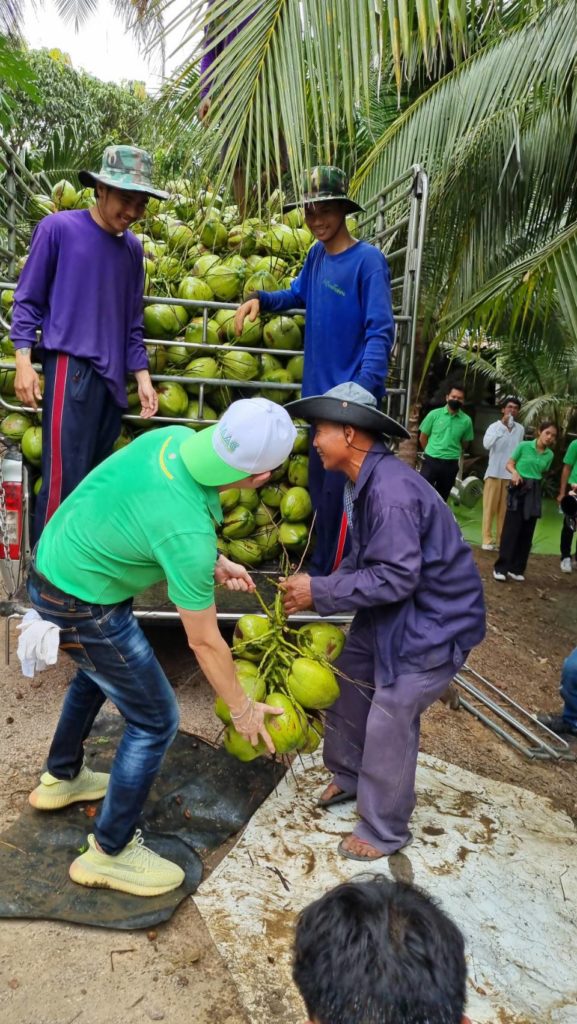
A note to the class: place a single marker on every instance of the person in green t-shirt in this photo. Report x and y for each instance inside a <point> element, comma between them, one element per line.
<point>443,433</point>
<point>528,464</point>
<point>145,514</point>
<point>568,485</point>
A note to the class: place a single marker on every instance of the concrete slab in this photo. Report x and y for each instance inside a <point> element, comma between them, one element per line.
<point>500,859</point>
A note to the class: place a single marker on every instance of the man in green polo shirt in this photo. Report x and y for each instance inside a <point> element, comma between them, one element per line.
<point>568,483</point>
<point>145,514</point>
<point>443,433</point>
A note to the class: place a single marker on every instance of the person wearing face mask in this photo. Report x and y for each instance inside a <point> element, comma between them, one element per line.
<point>443,433</point>
<point>528,464</point>
<point>82,288</point>
<point>500,440</point>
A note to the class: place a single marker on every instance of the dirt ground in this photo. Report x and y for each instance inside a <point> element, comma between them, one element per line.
<point>53,973</point>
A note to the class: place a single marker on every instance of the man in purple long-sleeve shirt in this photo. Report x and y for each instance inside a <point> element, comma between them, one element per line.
<point>82,288</point>
<point>417,596</point>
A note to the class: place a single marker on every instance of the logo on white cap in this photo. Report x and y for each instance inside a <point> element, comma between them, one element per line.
<point>254,436</point>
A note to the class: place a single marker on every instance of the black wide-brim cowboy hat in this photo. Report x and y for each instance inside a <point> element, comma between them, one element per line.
<point>347,412</point>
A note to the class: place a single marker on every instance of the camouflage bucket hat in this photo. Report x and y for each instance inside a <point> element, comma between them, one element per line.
<point>127,168</point>
<point>324,184</point>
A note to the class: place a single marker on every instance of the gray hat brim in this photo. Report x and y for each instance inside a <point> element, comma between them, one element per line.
<point>335,410</point>
<point>314,200</point>
<point>89,180</point>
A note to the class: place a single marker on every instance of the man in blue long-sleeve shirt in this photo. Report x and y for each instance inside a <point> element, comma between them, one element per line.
<point>349,331</point>
<point>82,288</point>
<point>417,596</point>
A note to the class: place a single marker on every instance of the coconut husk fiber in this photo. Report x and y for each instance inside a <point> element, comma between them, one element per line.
<point>200,798</point>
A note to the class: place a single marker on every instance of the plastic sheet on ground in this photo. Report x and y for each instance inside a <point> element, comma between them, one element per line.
<point>500,860</point>
<point>200,798</point>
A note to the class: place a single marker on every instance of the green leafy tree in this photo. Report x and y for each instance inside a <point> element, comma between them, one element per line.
<point>73,114</point>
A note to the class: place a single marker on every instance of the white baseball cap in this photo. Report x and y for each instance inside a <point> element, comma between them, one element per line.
<point>254,436</point>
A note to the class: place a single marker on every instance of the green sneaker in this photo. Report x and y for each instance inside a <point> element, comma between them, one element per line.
<point>136,869</point>
<point>52,794</point>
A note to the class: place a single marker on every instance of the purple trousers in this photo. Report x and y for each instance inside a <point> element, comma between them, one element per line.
<point>372,738</point>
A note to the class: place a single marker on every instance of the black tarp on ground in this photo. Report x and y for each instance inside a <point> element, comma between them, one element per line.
<point>200,798</point>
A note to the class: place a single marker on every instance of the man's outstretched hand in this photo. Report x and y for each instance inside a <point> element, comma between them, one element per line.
<point>297,592</point>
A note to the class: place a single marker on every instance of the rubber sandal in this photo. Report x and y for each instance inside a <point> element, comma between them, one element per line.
<point>338,798</point>
<point>358,856</point>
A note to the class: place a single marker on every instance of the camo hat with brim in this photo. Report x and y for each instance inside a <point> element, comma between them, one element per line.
<point>126,168</point>
<point>324,184</point>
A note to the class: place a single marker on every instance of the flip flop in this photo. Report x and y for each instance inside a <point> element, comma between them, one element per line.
<point>338,798</point>
<point>358,856</point>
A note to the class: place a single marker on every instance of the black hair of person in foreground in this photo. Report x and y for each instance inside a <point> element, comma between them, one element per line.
<point>374,951</point>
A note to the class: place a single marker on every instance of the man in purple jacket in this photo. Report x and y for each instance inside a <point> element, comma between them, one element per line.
<point>82,288</point>
<point>417,596</point>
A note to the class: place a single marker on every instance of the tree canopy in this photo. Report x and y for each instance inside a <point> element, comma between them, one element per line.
<point>72,113</point>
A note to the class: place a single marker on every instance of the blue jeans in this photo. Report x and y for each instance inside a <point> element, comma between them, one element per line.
<point>115,661</point>
<point>568,688</point>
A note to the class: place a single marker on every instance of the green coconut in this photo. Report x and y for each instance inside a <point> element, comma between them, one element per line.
<point>213,233</point>
<point>195,289</point>
<point>263,515</point>
<point>282,332</point>
<point>280,239</point>
<point>239,522</point>
<point>323,639</point>
<point>180,237</point>
<point>193,413</point>
<point>273,265</point>
<point>161,321</point>
<point>314,735</point>
<point>302,441</point>
<point>260,281</point>
<point>15,425</point>
<point>298,470</point>
<point>225,282</point>
<point>272,494</point>
<point>172,399</point>
<point>246,551</point>
<point>64,195</point>
<point>313,685</point>
<point>276,394</point>
<point>203,264</point>
<point>240,748</point>
<point>267,539</point>
<point>229,498</point>
<point>195,332</point>
<point>296,505</point>
<point>250,630</point>
<point>238,365</point>
<point>269,363</point>
<point>287,731</point>
<point>294,536</point>
<point>202,367</point>
<point>31,445</point>
<point>296,368</point>
<point>157,358</point>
